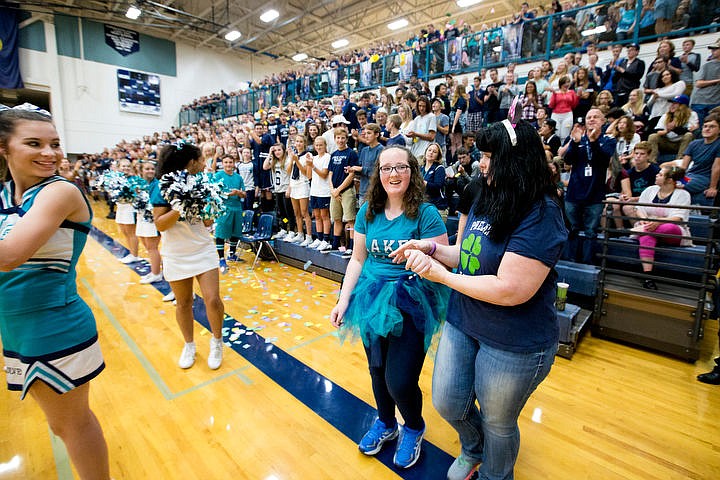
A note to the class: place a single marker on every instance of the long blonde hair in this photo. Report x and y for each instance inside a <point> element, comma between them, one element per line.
<point>459,92</point>
<point>639,105</point>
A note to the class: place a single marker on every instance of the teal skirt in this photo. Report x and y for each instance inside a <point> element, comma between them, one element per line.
<point>378,307</point>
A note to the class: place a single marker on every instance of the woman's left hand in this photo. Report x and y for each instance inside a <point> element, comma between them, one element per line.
<point>424,265</point>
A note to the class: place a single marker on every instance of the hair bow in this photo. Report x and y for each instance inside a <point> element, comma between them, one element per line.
<point>28,107</point>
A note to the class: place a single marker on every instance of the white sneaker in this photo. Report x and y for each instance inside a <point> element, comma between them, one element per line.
<point>307,242</point>
<point>216,353</point>
<point>299,238</point>
<point>289,237</point>
<point>151,278</point>
<point>324,246</point>
<point>187,357</point>
<point>169,297</point>
<point>129,258</point>
<point>315,243</point>
<point>281,234</point>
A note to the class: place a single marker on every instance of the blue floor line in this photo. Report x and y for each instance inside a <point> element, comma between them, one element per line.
<point>340,408</point>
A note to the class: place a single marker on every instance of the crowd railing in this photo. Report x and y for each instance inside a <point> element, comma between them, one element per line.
<point>542,38</point>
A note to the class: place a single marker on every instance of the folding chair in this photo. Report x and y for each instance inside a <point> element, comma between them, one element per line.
<point>261,238</point>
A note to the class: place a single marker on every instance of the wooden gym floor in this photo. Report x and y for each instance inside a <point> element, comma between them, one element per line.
<point>290,402</point>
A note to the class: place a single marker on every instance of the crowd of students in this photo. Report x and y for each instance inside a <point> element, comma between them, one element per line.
<point>619,19</point>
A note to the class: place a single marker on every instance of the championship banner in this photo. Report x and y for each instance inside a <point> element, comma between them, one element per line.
<point>9,59</point>
<point>512,41</point>
<point>123,41</point>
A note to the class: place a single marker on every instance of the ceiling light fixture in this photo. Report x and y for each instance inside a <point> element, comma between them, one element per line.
<point>467,3</point>
<point>269,16</point>
<point>133,12</point>
<point>299,57</point>
<point>232,35</point>
<point>343,42</point>
<point>397,24</point>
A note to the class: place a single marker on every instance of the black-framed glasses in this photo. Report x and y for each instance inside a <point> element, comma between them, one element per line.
<point>399,169</point>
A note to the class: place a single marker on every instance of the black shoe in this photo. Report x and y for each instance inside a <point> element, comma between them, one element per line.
<point>717,361</point>
<point>649,284</point>
<point>111,216</point>
<point>713,378</point>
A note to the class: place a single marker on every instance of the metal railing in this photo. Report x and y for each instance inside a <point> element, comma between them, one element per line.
<point>541,38</point>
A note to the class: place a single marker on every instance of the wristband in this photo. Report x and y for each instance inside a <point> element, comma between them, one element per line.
<point>432,250</point>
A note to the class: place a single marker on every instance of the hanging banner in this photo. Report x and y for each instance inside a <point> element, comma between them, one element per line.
<point>512,41</point>
<point>9,59</point>
<point>123,41</point>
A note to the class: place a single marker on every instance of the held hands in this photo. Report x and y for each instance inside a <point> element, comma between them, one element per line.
<point>399,255</point>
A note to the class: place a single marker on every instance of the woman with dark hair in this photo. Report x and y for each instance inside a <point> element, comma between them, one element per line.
<point>501,333</point>
<point>562,103</point>
<point>669,88</point>
<point>530,102</point>
<point>44,324</point>
<point>395,312</point>
<point>188,252</point>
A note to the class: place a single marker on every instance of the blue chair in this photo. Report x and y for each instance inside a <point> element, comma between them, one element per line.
<point>261,238</point>
<point>247,222</point>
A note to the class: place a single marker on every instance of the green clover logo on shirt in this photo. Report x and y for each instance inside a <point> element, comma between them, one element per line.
<point>469,251</point>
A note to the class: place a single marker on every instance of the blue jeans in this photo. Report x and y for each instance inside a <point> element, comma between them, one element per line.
<point>501,381</point>
<point>583,217</point>
<point>702,111</point>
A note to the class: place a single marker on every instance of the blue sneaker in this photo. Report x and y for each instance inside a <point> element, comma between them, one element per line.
<point>232,258</point>
<point>408,447</point>
<point>223,266</point>
<point>374,439</point>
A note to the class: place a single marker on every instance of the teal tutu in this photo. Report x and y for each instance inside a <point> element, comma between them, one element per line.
<point>378,307</point>
<point>229,224</point>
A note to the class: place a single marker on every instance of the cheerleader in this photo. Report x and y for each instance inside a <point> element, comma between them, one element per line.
<point>49,336</point>
<point>145,229</point>
<point>300,191</point>
<point>125,216</point>
<point>229,226</point>
<point>278,162</point>
<point>188,252</point>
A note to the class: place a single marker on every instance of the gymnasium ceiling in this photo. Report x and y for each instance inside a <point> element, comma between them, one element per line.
<point>307,26</point>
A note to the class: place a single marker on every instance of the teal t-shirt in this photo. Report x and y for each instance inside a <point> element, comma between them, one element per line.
<point>231,182</point>
<point>382,236</point>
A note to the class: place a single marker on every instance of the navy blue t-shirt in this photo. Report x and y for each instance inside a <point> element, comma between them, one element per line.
<point>639,181</point>
<point>261,151</point>
<point>340,159</point>
<point>528,327</point>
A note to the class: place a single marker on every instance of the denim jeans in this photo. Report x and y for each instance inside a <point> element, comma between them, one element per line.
<point>583,217</point>
<point>501,381</point>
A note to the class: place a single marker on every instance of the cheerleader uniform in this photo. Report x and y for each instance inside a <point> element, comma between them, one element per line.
<point>125,213</point>
<point>52,336</point>
<point>230,224</point>
<point>146,228</point>
<point>187,248</point>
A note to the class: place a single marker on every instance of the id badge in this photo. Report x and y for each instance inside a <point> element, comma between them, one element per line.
<point>588,171</point>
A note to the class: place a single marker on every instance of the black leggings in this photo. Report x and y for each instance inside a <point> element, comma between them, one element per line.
<point>395,382</point>
<point>285,210</point>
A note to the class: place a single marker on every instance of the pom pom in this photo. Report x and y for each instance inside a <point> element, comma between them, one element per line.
<point>119,187</point>
<point>195,197</point>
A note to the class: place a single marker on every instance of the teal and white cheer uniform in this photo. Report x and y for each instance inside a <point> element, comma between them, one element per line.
<point>48,331</point>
